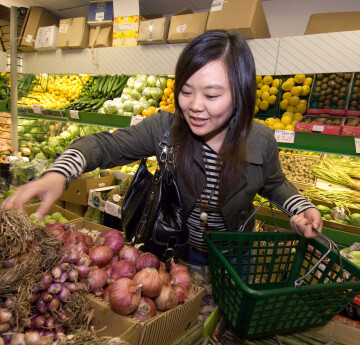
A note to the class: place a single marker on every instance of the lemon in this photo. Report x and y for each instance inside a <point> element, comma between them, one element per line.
<point>286,120</point>
<point>287,113</point>
<point>303,101</point>
<point>264,105</point>
<point>258,79</point>
<point>265,95</point>
<point>265,88</point>
<point>258,93</point>
<point>300,108</point>
<point>286,86</point>
<point>273,90</point>
<point>291,81</point>
<point>276,120</point>
<point>286,95</point>
<point>284,104</point>
<point>272,99</point>
<point>294,101</point>
<point>278,125</point>
<point>267,80</point>
<point>297,117</point>
<point>276,83</point>
<point>290,108</point>
<point>299,78</point>
<point>305,90</point>
<point>258,100</point>
<point>308,81</point>
<point>296,90</point>
<point>256,109</point>
<point>269,121</point>
<point>259,85</point>
<point>293,123</point>
<point>289,128</point>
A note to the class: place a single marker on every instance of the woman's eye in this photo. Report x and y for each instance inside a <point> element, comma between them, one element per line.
<point>185,93</point>
<point>211,96</point>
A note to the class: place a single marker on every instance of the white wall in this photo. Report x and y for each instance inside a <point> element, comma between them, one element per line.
<point>290,17</point>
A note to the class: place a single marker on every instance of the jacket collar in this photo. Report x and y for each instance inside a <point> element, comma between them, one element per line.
<point>253,149</point>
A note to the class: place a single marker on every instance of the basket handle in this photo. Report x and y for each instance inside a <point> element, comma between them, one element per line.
<point>242,227</point>
<point>298,282</point>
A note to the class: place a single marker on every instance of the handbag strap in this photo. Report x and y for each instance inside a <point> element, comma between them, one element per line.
<point>167,155</point>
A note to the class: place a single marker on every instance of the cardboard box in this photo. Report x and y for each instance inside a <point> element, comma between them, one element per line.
<point>46,38</point>
<point>73,33</point>
<point>317,127</point>
<point>100,36</point>
<point>82,223</point>
<point>78,190</point>
<point>154,31</point>
<point>97,197</point>
<point>100,13</point>
<point>70,216</point>
<point>333,22</point>
<point>35,17</point>
<point>185,27</point>
<point>5,34</point>
<point>162,329</point>
<point>246,18</point>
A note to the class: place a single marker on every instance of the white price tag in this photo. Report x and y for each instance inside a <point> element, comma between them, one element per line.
<point>317,128</point>
<point>100,16</point>
<point>111,208</point>
<point>36,109</point>
<point>357,145</point>
<point>135,120</point>
<point>74,114</point>
<point>283,136</point>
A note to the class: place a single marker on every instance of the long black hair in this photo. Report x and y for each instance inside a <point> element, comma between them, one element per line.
<point>235,53</point>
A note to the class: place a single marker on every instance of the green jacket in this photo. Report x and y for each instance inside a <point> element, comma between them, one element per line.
<point>262,171</point>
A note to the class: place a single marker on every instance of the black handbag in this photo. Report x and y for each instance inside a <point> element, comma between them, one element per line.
<point>151,212</point>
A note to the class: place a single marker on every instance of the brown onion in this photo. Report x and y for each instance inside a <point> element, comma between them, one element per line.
<point>150,280</point>
<point>129,253</point>
<point>147,260</point>
<point>146,309</point>
<point>100,256</point>
<point>167,299</point>
<point>32,338</point>
<point>177,267</point>
<point>123,269</point>
<point>181,278</point>
<point>164,276</point>
<point>124,296</point>
<point>5,315</point>
<point>182,293</point>
<point>4,327</point>
<point>18,339</point>
<point>97,279</point>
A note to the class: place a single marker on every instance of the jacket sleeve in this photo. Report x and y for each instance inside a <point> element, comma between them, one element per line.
<point>124,145</point>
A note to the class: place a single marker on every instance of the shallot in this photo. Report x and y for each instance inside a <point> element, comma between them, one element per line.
<point>83,270</point>
<point>147,260</point>
<point>150,280</point>
<point>129,253</point>
<point>100,256</point>
<point>123,269</point>
<point>167,299</point>
<point>97,278</point>
<point>146,309</point>
<point>124,296</point>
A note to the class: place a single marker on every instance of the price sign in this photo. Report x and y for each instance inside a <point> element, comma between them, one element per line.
<point>74,114</point>
<point>36,109</point>
<point>135,120</point>
<point>283,136</point>
<point>357,145</point>
<point>112,209</point>
<point>318,128</point>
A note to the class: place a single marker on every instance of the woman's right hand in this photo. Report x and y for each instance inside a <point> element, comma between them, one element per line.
<point>48,189</point>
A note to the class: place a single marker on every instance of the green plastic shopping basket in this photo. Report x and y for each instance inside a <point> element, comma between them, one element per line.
<point>253,276</point>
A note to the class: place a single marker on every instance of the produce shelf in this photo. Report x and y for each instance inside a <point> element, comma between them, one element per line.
<point>3,106</point>
<point>322,143</point>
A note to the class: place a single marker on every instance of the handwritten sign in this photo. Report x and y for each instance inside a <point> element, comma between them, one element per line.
<point>36,109</point>
<point>357,145</point>
<point>135,120</point>
<point>283,136</point>
<point>74,114</point>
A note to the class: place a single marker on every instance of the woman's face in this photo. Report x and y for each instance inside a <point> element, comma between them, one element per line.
<point>207,104</point>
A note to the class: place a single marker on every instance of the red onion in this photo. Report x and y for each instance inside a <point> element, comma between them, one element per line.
<point>58,230</point>
<point>65,266</point>
<point>129,253</point>
<point>34,297</point>
<point>72,275</point>
<point>114,260</point>
<point>109,270</point>
<point>7,338</point>
<point>75,236</point>
<point>44,282</point>
<point>177,267</point>
<point>123,269</point>
<point>162,266</point>
<point>62,316</point>
<point>62,279</point>
<point>8,303</point>
<point>83,270</point>
<point>79,246</point>
<point>64,294</point>
<point>84,259</point>
<point>181,278</point>
<point>100,256</point>
<point>164,276</point>
<point>167,299</point>
<point>124,296</point>
<point>115,241</point>
<point>49,323</point>
<point>39,321</point>
<point>150,280</point>
<point>54,288</point>
<point>182,293</point>
<point>41,305</point>
<point>25,323</point>
<point>18,339</point>
<point>97,279</point>
<point>81,287</point>
<point>106,293</point>
<point>54,304</point>
<point>146,309</point>
<point>5,315</point>
<point>106,232</point>
<point>46,297</point>
<point>48,334</point>
<point>71,257</point>
<point>56,272</point>
<point>147,260</point>
<point>71,286</point>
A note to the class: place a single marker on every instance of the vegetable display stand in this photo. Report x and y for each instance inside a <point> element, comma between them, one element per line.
<point>253,279</point>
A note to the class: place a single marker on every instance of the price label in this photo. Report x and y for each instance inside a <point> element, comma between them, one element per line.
<point>318,128</point>
<point>357,145</point>
<point>36,109</point>
<point>283,136</point>
<point>112,209</point>
<point>135,120</point>
<point>74,114</point>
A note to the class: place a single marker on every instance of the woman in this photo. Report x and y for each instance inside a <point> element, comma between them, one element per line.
<point>223,157</point>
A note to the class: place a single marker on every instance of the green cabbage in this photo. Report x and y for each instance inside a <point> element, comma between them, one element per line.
<point>161,83</point>
<point>110,107</point>
<point>151,80</point>
<point>128,106</point>
<point>130,82</point>
<point>140,84</point>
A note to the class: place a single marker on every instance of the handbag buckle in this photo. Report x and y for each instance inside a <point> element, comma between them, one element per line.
<point>167,155</point>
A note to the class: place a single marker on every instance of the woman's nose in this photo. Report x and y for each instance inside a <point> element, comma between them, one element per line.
<point>196,103</point>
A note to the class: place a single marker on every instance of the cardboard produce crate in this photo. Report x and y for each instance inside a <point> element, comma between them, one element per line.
<point>78,190</point>
<point>73,33</point>
<point>154,31</point>
<point>70,216</point>
<point>82,223</point>
<point>246,18</point>
<point>162,329</point>
<point>97,197</point>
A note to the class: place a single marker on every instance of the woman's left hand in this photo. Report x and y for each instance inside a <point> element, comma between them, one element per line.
<point>304,222</point>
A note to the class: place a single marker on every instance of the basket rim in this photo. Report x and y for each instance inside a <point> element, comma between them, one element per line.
<point>279,291</point>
